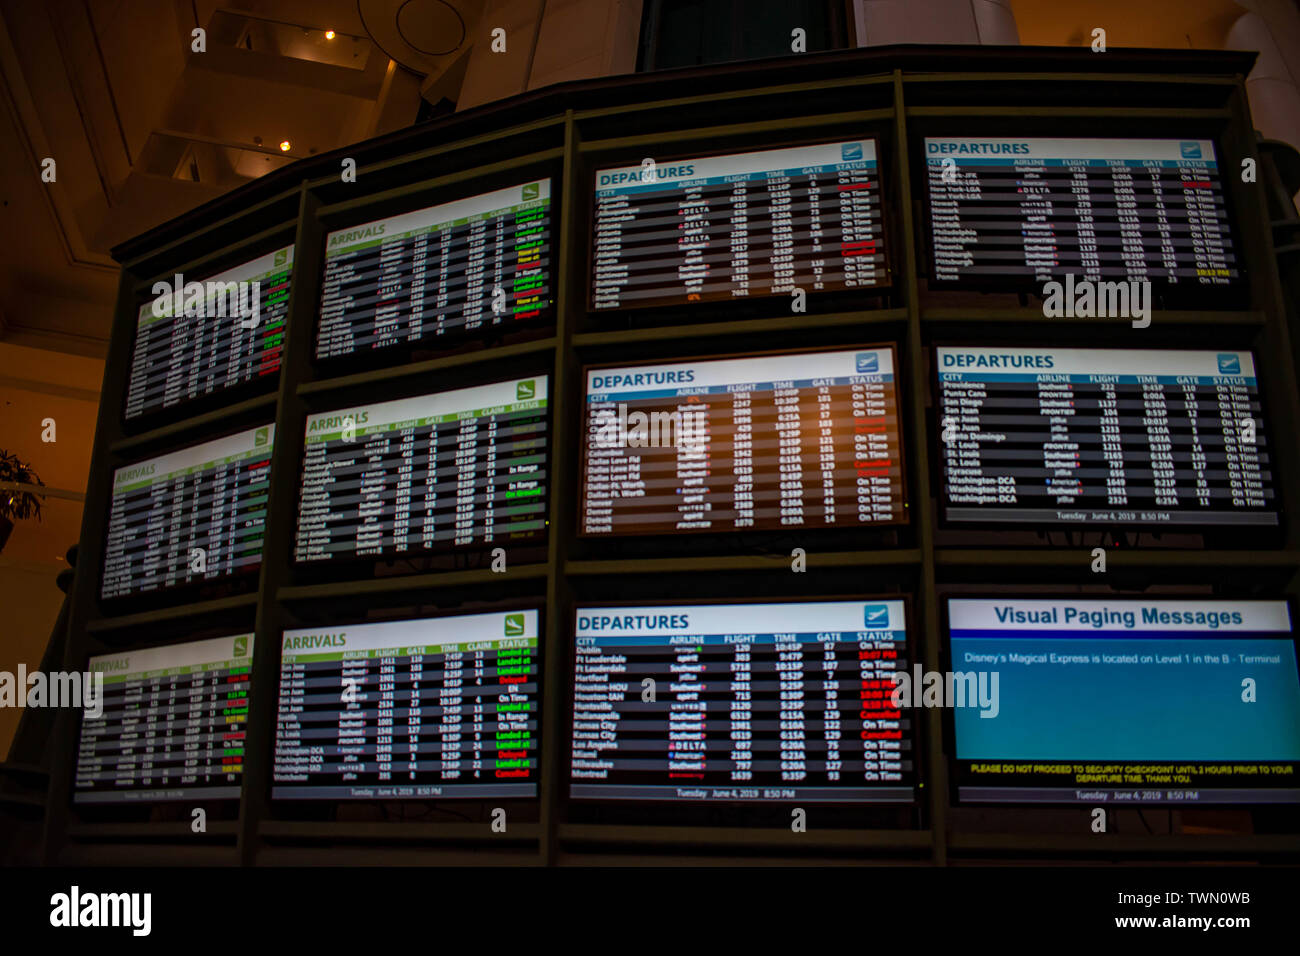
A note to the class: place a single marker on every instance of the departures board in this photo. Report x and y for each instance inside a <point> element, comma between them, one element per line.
<point>171,723</point>
<point>449,270</point>
<point>417,709</point>
<point>1104,436</point>
<point>460,468</point>
<point>738,225</point>
<point>741,702</point>
<point>793,440</point>
<point>1025,211</point>
<point>192,515</point>
<point>197,338</point>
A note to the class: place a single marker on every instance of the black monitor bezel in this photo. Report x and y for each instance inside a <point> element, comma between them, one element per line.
<point>174,593</point>
<point>1234,295</point>
<point>414,199</point>
<point>333,567</point>
<point>292,803</point>
<point>1244,534</point>
<point>667,534</point>
<point>569,687</point>
<point>609,160</point>
<point>949,726</point>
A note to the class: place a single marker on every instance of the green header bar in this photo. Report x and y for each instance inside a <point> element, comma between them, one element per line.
<point>503,644</point>
<point>341,248</point>
<point>194,469</point>
<point>366,430</point>
<point>232,664</point>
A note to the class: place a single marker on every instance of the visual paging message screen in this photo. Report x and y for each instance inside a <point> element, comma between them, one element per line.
<point>1120,436</point>
<point>796,440</point>
<point>419,709</point>
<point>1033,210</point>
<point>472,264</point>
<point>172,724</point>
<point>459,468</point>
<point>738,225</point>
<point>1115,702</point>
<point>746,702</point>
<point>191,515</point>
<point>199,345</point>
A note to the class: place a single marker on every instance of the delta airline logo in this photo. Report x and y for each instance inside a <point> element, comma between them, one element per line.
<point>1229,364</point>
<point>875,617</point>
<point>868,363</point>
<point>1190,150</point>
<point>850,152</point>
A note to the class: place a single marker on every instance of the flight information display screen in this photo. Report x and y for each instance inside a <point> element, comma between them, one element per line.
<point>745,702</point>
<point>1027,211</point>
<point>476,263</point>
<point>192,515</point>
<point>1120,701</point>
<point>421,709</point>
<point>194,341</point>
<point>452,469</point>
<point>1117,436</point>
<point>794,440</point>
<point>170,725</point>
<point>738,225</point>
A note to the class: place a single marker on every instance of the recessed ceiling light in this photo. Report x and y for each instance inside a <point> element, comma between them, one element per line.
<point>329,34</point>
<point>284,146</point>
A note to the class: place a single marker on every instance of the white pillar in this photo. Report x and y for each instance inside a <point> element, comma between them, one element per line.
<point>1271,85</point>
<point>883,22</point>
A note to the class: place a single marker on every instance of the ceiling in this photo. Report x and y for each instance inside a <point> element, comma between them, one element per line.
<point>142,128</point>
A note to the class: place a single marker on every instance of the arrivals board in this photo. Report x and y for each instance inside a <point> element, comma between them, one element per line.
<point>793,440</point>
<point>418,709</point>
<point>1118,702</point>
<point>190,342</point>
<point>1026,211</point>
<point>171,724</point>
<point>460,267</point>
<point>191,515</point>
<point>738,225</point>
<point>741,702</point>
<point>457,468</point>
<point>1104,437</point>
